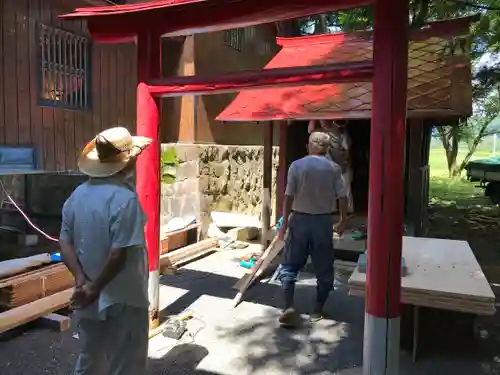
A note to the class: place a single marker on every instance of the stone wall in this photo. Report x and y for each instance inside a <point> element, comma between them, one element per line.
<point>216,178</point>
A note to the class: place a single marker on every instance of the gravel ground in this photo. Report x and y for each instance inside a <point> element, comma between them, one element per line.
<point>223,340</point>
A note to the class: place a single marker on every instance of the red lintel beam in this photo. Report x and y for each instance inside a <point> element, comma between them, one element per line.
<point>236,81</point>
<point>176,17</point>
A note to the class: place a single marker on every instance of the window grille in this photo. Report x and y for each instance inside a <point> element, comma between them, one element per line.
<point>250,33</point>
<point>64,69</point>
<point>234,38</point>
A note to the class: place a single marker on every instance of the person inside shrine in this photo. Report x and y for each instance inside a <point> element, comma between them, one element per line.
<point>339,152</point>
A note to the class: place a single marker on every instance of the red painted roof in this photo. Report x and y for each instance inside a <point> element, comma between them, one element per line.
<point>185,17</point>
<point>429,79</point>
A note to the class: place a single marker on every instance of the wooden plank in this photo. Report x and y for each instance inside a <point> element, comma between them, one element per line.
<point>20,315</point>
<point>29,275</point>
<point>56,322</point>
<point>121,119</point>
<point>48,153</point>
<point>34,65</point>
<point>104,86</point>
<point>67,117</point>
<point>60,123</point>
<point>112,86</point>
<point>86,115</point>
<point>30,286</point>
<point>434,302</point>
<point>441,270</point>
<point>3,11</point>
<point>23,70</point>
<point>282,168</point>
<point>267,166</point>
<point>15,266</point>
<point>96,89</point>
<point>10,72</point>
<point>188,253</point>
<point>265,260</point>
<point>132,89</point>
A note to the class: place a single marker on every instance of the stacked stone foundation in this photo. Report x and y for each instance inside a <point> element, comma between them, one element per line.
<point>216,178</point>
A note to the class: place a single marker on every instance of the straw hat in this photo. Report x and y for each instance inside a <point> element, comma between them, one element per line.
<point>110,152</point>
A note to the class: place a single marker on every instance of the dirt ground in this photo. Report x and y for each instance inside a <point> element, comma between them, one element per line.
<point>476,220</point>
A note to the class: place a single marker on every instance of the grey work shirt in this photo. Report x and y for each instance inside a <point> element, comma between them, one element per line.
<point>100,215</point>
<point>315,183</point>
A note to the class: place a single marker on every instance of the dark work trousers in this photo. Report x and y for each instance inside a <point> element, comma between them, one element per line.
<point>308,235</point>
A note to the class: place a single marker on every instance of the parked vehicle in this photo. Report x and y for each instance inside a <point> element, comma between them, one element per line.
<point>487,173</point>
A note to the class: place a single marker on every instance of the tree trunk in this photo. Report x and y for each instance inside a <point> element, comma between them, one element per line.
<point>472,149</point>
<point>449,136</point>
<point>321,26</point>
<point>452,153</point>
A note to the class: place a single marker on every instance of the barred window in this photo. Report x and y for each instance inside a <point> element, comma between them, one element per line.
<point>234,38</point>
<point>64,69</point>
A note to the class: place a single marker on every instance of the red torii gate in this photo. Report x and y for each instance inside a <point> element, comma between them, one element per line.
<point>147,22</point>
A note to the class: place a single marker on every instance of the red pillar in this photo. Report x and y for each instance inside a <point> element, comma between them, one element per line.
<point>386,189</point>
<point>148,164</point>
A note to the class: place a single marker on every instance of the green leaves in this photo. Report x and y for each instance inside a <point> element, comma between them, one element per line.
<point>169,163</point>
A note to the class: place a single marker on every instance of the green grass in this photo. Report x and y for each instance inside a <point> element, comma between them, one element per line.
<point>445,190</point>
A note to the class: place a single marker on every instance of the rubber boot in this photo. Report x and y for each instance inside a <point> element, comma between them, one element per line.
<point>317,313</point>
<point>289,317</point>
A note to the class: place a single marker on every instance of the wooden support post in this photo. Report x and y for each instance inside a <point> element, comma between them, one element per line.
<point>415,193</point>
<point>148,164</point>
<point>386,188</point>
<point>282,169</point>
<point>267,182</point>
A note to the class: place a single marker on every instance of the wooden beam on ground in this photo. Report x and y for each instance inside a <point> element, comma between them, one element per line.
<point>55,322</point>
<point>187,253</point>
<point>20,315</point>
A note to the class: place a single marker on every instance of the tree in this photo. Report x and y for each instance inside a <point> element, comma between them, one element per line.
<point>482,124</point>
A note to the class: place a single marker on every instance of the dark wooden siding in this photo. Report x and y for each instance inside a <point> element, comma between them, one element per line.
<point>210,47</point>
<point>58,134</point>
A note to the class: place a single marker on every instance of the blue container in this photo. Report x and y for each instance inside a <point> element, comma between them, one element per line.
<point>55,257</point>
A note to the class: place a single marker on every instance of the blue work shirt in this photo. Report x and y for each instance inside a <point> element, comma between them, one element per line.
<point>104,214</point>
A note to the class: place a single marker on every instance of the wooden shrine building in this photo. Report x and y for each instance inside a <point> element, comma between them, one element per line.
<point>439,88</point>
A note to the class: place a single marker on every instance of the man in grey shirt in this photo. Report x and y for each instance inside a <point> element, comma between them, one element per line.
<point>102,244</point>
<point>314,184</point>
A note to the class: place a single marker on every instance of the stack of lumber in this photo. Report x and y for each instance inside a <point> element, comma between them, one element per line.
<point>27,287</point>
<point>441,274</point>
<point>37,309</point>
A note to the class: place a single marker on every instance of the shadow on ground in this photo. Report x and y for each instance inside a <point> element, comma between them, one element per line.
<point>182,359</point>
<point>325,347</point>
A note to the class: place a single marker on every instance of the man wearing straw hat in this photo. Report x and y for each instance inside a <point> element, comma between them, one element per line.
<point>102,244</point>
